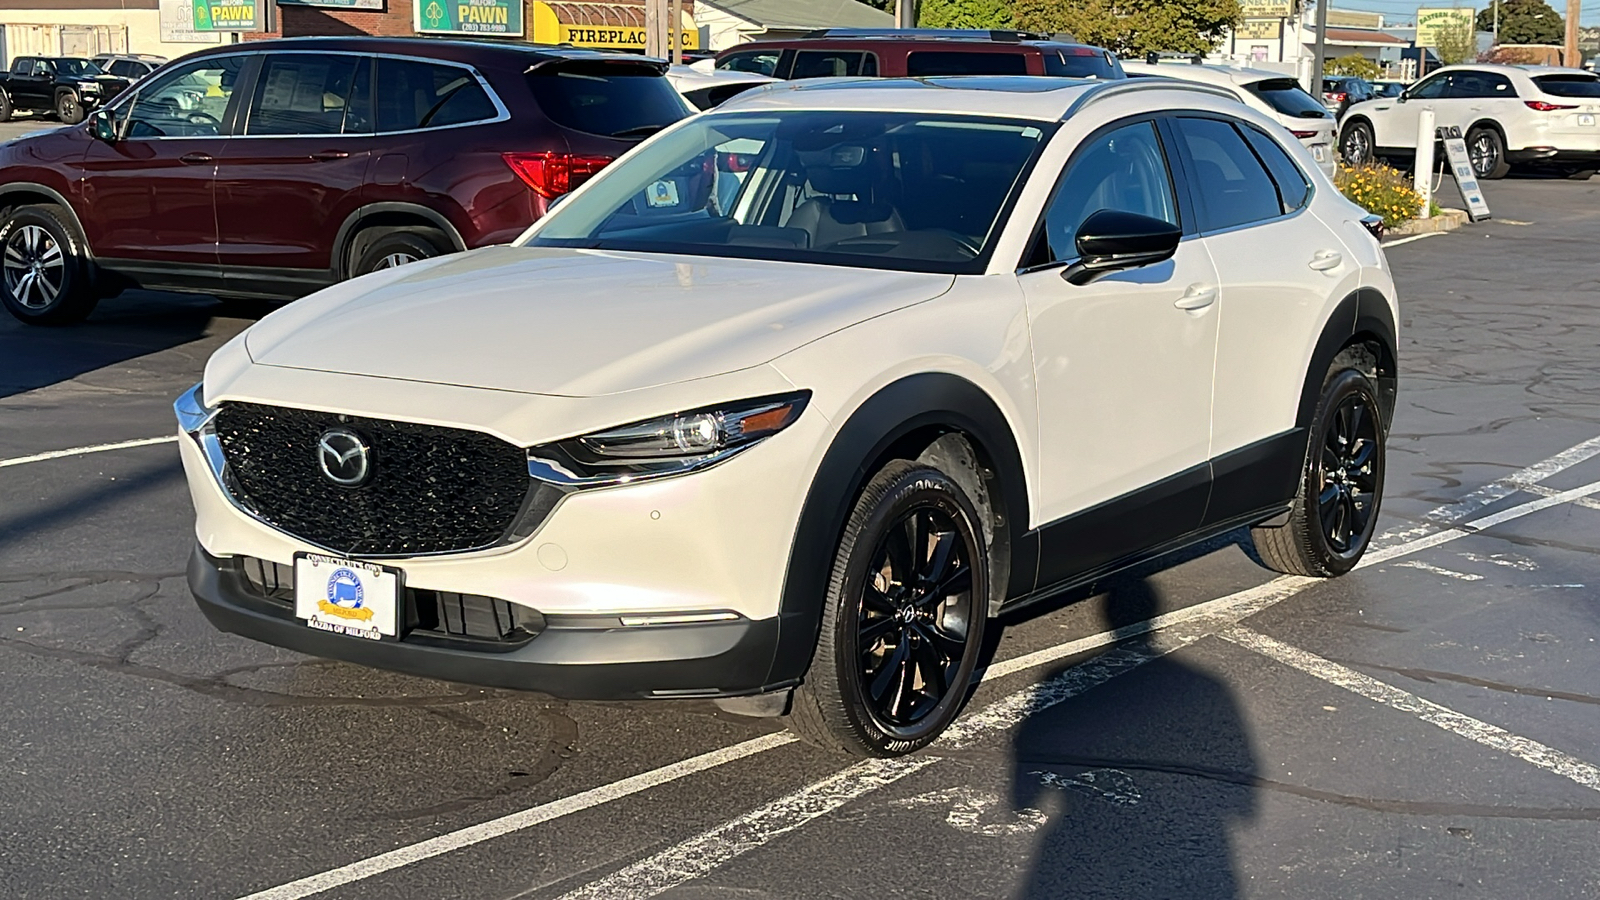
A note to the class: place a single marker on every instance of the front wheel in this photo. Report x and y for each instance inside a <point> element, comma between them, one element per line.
<point>69,109</point>
<point>1356,145</point>
<point>1487,151</point>
<point>44,269</point>
<point>1341,484</point>
<point>903,618</point>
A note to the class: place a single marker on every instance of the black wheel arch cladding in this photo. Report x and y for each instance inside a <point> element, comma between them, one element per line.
<point>1362,317</point>
<point>928,403</point>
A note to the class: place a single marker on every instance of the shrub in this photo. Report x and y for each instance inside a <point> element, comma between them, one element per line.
<point>1381,190</point>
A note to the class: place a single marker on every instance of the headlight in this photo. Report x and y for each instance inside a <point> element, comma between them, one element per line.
<point>669,445</point>
<point>88,87</point>
<point>191,409</point>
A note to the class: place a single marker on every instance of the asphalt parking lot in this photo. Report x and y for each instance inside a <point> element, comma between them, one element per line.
<point>1428,726</point>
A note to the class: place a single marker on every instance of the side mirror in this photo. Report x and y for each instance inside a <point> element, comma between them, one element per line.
<point>1403,96</point>
<point>1110,241</point>
<point>104,124</point>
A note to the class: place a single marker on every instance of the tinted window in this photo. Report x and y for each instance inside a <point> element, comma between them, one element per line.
<point>1125,171</point>
<point>833,64</point>
<point>78,68</point>
<point>1569,85</point>
<point>1082,63</point>
<point>125,69</point>
<point>428,95</point>
<point>1293,189</point>
<point>1477,85</point>
<point>187,101</point>
<point>955,62</point>
<point>616,100</point>
<point>1287,97</point>
<point>21,66</point>
<point>1432,89</point>
<point>1234,189</point>
<point>302,94</point>
<point>884,190</point>
<point>705,98</point>
<point>761,62</point>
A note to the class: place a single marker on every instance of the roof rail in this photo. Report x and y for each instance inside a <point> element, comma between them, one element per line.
<point>1156,56</point>
<point>1107,89</point>
<point>967,34</point>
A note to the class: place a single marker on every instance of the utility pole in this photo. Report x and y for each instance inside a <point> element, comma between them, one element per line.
<point>1574,56</point>
<point>675,29</point>
<point>655,28</point>
<point>1319,50</point>
<point>1497,23</point>
<point>905,14</point>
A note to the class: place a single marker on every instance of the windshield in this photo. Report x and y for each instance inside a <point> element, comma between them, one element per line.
<point>1569,85</point>
<point>880,190</point>
<point>1287,97</point>
<point>77,68</point>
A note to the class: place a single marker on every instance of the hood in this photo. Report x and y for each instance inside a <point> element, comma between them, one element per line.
<point>575,322</point>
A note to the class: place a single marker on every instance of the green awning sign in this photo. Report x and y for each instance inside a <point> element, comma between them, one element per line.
<point>227,15</point>
<point>502,17</point>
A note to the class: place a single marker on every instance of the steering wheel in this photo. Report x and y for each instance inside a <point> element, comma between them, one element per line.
<point>203,120</point>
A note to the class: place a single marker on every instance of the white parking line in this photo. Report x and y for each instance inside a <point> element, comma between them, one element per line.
<point>1406,240</point>
<point>1525,749</point>
<point>1222,612</point>
<point>703,853</point>
<point>79,451</point>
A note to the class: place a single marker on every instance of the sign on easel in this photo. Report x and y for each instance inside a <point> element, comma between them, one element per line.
<point>1455,149</point>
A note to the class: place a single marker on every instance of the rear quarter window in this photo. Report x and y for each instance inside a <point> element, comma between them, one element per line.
<point>1287,98</point>
<point>427,95</point>
<point>610,99</point>
<point>956,62</point>
<point>1070,64</point>
<point>1569,85</point>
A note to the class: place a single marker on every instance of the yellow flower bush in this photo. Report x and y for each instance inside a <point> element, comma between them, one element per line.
<point>1381,190</point>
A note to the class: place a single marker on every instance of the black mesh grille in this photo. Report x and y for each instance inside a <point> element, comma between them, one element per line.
<point>431,489</point>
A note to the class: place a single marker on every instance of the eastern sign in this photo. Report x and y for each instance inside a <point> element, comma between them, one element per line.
<point>1432,22</point>
<point>551,27</point>
<point>228,15</point>
<point>501,17</point>
<point>1259,30</point>
<point>1455,150</point>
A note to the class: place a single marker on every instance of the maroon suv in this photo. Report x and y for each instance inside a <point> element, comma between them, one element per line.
<point>272,169</point>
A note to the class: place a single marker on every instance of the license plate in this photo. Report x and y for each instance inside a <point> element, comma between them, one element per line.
<point>1319,152</point>
<point>346,596</point>
<point>1586,119</point>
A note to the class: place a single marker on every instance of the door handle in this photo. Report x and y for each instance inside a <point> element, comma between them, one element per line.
<point>1324,260</point>
<point>329,155</point>
<point>196,159</point>
<point>1196,297</point>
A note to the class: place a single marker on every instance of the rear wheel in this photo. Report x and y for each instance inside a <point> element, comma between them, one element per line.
<point>1341,484</point>
<point>386,248</point>
<point>44,269</point>
<point>903,618</point>
<point>1487,151</point>
<point>68,107</point>
<point>1355,144</point>
<point>5,106</point>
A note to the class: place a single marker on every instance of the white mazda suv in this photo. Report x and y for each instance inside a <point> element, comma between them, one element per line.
<point>950,348</point>
<point>1507,114</point>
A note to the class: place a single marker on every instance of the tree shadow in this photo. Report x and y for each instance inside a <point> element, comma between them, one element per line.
<point>1145,776</point>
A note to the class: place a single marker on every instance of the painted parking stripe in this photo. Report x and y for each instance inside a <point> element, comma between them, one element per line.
<point>705,852</point>
<point>96,448</point>
<point>1525,749</point>
<point>1406,240</point>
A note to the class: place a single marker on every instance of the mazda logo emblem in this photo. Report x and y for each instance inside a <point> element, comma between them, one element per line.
<point>344,457</point>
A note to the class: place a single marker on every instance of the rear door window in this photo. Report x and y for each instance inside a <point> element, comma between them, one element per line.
<point>1480,86</point>
<point>303,94</point>
<point>1569,85</point>
<point>927,63</point>
<point>620,100</point>
<point>1084,62</point>
<point>1286,97</point>
<point>1293,188</point>
<point>428,95</point>
<point>1234,187</point>
<point>833,64</point>
<point>761,62</point>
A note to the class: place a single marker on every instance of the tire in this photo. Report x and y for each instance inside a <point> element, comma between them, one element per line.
<point>69,109</point>
<point>384,248</point>
<point>44,268</point>
<point>909,683</point>
<point>1356,147</point>
<point>1341,484</point>
<point>1487,151</point>
<point>5,106</point>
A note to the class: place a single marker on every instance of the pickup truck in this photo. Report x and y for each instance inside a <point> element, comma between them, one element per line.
<point>68,86</point>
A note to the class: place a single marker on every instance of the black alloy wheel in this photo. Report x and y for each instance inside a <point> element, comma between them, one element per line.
<point>68,108</point>
<point>903,618</point>
<point>1486,150</point>
<point>5,106</point>
<point>1355,144</point>
<point>1335,511</point>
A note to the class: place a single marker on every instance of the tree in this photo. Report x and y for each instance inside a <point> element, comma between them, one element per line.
<point>1355,64</point>
<point>1457,44</point>
<point>965,14</point>
<point>1524,22</point>
<point>1133,27</point>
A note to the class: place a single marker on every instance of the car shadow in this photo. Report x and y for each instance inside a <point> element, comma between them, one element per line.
<point>135,324</point>
<point>1144,778</point>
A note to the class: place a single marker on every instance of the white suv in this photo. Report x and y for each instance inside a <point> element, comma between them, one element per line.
<point>951,347</point>
<point>1273,93</point>
<point>1508,115</point>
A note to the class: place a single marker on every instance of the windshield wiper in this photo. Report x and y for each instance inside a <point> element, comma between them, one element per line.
<point>638,131</point>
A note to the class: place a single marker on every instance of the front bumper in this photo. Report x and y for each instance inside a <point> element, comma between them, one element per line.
<point>574,657</point>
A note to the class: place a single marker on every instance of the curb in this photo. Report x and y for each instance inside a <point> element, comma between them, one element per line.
<point>1446,220</point>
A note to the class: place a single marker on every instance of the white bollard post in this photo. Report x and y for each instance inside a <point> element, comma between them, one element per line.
<point>1422,179</point>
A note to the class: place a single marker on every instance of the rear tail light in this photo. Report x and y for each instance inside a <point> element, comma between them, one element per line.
<point>553,174</point>
<point>1542,106</point>
<point>1335,96</point>
<point>1304,134</point>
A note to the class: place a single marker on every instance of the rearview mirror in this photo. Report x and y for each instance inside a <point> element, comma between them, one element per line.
<point>104,123</point>
<point>1111,241</point>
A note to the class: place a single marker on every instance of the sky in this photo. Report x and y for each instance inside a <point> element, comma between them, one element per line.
<point>1406,10</point>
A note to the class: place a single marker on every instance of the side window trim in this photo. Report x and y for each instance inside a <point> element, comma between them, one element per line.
<point>1179,183</point>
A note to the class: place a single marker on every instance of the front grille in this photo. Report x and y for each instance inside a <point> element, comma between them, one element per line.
<point>431,616</point>
<point>431,489</point>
